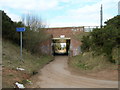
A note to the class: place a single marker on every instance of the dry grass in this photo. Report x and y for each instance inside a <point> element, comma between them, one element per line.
<point>11,60</point>
<point>98,67</point>
<point>88,62</point>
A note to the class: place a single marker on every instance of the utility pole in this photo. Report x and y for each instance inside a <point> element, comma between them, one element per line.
<point>119,8</point>
<point>101,16</point>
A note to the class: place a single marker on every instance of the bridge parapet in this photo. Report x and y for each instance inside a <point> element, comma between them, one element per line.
<point>67,31</point>
<point>72,30</point>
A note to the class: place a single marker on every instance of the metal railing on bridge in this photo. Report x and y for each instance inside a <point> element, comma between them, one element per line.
<point>90,28</point>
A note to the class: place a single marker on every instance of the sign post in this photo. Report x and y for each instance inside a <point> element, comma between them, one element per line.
<point>21,45</point>
<point>21,29</point>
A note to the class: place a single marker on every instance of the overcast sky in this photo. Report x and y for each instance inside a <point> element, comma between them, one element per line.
<point>62,13</point>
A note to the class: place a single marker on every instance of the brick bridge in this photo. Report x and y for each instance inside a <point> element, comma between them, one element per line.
<point>64,34</point>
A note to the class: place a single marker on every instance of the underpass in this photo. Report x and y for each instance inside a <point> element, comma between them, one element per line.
<point>61,46</point>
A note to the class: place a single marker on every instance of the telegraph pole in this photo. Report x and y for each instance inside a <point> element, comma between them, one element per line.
<point>101,16</point>
<point>119,8</point>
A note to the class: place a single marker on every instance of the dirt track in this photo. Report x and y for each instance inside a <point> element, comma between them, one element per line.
<point>56,75</point>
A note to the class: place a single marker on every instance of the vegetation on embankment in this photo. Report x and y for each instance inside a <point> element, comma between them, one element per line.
<point>11,60</point>
<point>33,58</point>
<point>32,37</point>
<point>90,62</point>
<point>93,66</point>
<point>100,48</point>
<point>104,40</point>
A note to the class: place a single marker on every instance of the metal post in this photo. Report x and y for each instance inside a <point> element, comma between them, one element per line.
<point>20,29</point>
<point>21,45</point>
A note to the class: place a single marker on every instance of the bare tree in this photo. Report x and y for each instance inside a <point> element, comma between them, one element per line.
<point>34,34</point>
<point>34,22</point>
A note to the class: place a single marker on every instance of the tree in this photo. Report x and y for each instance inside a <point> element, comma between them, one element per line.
<point>104,40</point>
<point>33,22</point>
<point>34,33</point>
<point>9,28</point>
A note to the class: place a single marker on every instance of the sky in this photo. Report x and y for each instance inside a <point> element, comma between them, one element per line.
<point>62,13</point>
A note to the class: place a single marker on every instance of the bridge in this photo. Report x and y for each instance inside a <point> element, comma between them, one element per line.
<point>62,40</point>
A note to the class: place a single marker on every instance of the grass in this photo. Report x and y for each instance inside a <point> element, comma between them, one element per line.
<point>11,60</point>
<point>88,62</point>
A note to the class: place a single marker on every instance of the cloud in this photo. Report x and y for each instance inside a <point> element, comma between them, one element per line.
<point>13,16</point>
<point>88,15</point>
<point>69,24</point>
<point>31,4</point>
<point>16,8</point>
<point>74,12</point>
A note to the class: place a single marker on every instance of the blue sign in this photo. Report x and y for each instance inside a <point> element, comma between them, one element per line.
<point>21,29</point>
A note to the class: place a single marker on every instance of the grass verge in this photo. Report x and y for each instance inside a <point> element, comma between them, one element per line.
<point>11,60</point>
<point>95,66</point>
<point>88,62</point>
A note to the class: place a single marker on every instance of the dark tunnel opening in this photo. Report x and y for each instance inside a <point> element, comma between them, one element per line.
<point>61,46</point>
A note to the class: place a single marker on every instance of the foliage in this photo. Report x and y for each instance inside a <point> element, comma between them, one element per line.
<point>9,28</point>
<point>33,22</point>
<point>103,40</point>
<point>32,39</point>
<point>33,35</point>
<point>88,62</point>
<point>11,61</point>
<point>86,43</point>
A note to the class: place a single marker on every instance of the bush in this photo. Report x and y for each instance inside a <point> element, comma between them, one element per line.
<point>33,35</point>
<point>103,40</point>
